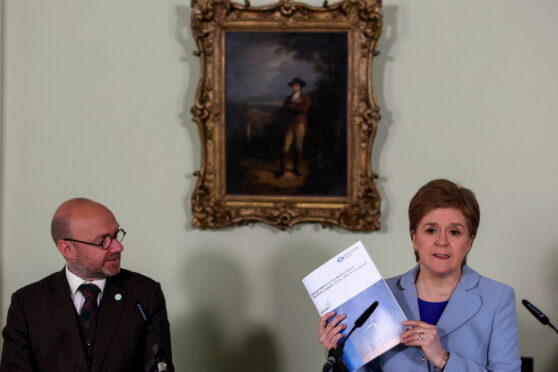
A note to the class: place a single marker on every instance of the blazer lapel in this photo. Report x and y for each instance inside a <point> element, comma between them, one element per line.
<point>64,315</point>
<point>406,295</point>
<point>110,312</point>
<point>407,298</point>
<point>463,304</point>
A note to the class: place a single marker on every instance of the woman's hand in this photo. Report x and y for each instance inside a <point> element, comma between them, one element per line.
<point>330,333</point>
<point>426,337</point>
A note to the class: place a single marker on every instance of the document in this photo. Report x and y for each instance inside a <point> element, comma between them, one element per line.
<point>349,284</point>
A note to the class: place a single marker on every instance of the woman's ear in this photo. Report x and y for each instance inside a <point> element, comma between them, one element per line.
<point>471,240</point>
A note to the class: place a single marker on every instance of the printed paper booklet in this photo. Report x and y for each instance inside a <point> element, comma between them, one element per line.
<point>349,284</point>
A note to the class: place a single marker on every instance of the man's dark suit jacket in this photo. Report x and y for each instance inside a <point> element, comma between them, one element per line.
<point>42,332</point>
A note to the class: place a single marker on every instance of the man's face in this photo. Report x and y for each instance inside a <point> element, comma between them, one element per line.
<point>295,87</point>
<point>92,223</point>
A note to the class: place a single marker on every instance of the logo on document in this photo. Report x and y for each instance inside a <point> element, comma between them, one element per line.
<point>340,259</point>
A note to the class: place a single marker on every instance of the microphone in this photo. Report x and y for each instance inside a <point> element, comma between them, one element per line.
<point>158,363</point>
<point>143,314</point>
<point>364,317</point>
<point>538,314</point>
<point>331,363</point>
<point>334,361</point>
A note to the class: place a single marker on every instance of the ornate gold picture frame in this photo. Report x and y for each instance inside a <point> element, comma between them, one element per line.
<point>286,114</point>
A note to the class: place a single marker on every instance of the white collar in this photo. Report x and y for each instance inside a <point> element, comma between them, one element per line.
<point>75,281</point>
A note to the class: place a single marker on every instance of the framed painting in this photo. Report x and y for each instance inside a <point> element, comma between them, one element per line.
<point>286,114</point>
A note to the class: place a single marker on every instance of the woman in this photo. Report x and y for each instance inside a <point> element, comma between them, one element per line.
<point>467,321</point>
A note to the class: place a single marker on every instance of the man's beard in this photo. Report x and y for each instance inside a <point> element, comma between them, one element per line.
<point>82,268</point>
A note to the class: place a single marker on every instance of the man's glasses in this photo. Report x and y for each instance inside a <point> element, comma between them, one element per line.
<point>107,240</point>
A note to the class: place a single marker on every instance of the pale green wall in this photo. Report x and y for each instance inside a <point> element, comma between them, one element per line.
<point>97,100</point>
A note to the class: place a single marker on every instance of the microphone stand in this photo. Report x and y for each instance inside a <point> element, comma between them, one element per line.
<point>158,363</point>
<point>334,361</point>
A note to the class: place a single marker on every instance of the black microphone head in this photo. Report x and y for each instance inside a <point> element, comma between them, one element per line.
<point>536,312</point>
<point>364,317</point>
<point>329,366</point>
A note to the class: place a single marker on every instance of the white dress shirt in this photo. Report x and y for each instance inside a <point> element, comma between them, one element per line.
<point>77,297</point>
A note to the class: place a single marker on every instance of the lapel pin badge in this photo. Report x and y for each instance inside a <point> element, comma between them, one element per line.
<point>118,297</point>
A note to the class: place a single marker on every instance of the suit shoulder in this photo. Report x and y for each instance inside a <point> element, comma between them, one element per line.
<point>394,283</point>
<point>136,279</point>
<point>37,286</point>
<point>393,279</point>
<point>142,288</point>
<point>493,286</point>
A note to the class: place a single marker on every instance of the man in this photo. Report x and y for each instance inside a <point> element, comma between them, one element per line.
<point>295,110</point>
<point>87,317</point>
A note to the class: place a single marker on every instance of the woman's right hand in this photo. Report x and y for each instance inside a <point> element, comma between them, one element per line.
<point>330,333</point>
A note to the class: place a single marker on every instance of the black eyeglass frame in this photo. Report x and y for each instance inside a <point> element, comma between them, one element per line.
<point>103,245</point>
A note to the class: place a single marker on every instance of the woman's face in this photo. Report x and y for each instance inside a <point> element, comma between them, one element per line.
<point>442,240</point>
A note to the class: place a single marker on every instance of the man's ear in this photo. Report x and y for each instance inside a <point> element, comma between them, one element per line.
<point>66,249</point>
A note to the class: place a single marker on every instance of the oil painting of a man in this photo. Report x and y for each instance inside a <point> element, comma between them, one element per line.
<point>295,111</point>
<point>286,113</point>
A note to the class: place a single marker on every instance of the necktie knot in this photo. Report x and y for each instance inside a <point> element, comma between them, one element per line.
<point>89,291</point>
